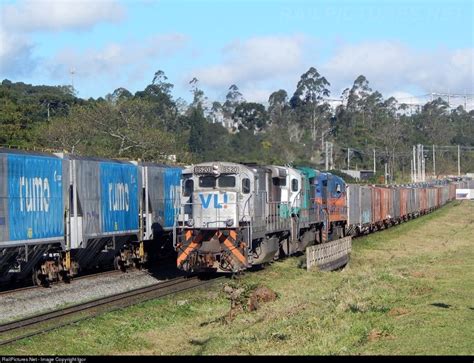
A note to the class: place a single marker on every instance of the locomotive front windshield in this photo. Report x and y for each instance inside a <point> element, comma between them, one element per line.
<point>223,181</point>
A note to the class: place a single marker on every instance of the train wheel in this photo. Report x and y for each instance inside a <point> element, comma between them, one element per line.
<point>137,264</point>
<point>118,264</point>
<point>64,277</point>
<point>38,278</point>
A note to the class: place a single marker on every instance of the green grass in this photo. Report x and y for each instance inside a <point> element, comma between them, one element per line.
<point>407,290</point>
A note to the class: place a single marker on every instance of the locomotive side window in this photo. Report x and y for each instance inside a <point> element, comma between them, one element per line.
<point>246,185</point>
<point>226,181</point>
<point>188,187</point>
<point>207,181</point>
<point>294,185</point>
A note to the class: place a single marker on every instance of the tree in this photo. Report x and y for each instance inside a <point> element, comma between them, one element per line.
<point>250,116</point>
<point>217,113</point>
<point>158,95</point>
<point>199,99</point>
<point>308,102</point>
<point>119,95</point>
<point>124,130</point>
<point>197,135</point>
<point>160,81</point>
<point>232,100</point>
<point>277,104</point>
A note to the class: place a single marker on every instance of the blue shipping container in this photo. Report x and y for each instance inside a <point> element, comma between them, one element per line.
<point>119,196</point>
<point>172,188</point>
<point>35,197</point>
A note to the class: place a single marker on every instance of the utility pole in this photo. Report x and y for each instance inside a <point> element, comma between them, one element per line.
<point>386,173</point>
<point>434,163</point>
<point>326,154</point>
<point>332,159</point>
<point>459,160</point>
<point>418,162</point>
<point>423,163</point>
<point>348,158</point>
<point>374,164</point>
<point>72,71</point>
<point>423,167</point>
<point>414,165</point>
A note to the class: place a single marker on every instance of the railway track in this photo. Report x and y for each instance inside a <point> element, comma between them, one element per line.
<point>45,322</point>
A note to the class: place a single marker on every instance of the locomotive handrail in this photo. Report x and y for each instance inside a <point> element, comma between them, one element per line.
<point>247,204</point>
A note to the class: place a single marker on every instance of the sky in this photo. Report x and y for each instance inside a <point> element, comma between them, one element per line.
<point>404,48</point>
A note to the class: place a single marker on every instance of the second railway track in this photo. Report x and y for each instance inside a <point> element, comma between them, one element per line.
<point>45,322</point>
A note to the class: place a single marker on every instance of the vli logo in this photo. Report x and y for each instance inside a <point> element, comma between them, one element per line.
<point>206,200</point>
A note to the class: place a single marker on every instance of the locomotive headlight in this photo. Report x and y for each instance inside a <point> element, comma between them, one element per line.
<point>229,222</point>
<point>190,222</point>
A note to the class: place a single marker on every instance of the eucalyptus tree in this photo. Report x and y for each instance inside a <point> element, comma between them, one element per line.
<point>312,111</point>
<point>232,100</point>
<point>277,106</point>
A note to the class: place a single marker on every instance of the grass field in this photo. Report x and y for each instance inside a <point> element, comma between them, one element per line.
<point>407,290</point>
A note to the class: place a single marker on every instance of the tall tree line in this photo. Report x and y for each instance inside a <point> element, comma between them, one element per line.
<point>292,128</point>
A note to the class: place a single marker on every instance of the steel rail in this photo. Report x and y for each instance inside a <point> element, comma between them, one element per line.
<point>115,302</point>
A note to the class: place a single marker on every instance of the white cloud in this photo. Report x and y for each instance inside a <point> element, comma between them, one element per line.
<point>55,15</point>
<point>15,54</point>
<point>256,94</point>
<point>266,63</point>
<point>18,21</point>
<point>123,62</point>
<point>393,66</point>
<point>253,60</point>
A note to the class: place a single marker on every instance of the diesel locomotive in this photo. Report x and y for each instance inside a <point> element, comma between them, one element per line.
<point>234,216</point>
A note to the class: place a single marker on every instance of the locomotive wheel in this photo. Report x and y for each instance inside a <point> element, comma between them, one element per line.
<point>118,264</point>
<point>64,277</point>
<point>39,279</point>
<point>138,265</point>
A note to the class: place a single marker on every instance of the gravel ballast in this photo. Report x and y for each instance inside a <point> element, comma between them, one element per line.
<point>29,302</point>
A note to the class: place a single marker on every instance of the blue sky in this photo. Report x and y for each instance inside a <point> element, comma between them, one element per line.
<point>404,48</point>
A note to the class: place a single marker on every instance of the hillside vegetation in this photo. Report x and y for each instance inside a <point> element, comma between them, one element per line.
<point>407,290</point>
<point>292,128</point>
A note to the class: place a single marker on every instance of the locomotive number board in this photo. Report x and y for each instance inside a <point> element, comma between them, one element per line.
<point>223,169</point>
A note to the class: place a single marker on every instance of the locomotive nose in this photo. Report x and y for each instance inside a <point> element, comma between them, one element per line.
<point>215,209</point>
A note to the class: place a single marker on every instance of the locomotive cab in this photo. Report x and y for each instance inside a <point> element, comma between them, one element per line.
<point>215,217</point>
<point>215,196</point>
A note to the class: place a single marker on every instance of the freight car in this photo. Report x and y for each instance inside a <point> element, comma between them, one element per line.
<point>371,208</point>
<point>235,216</point>
<point>61,213</point>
